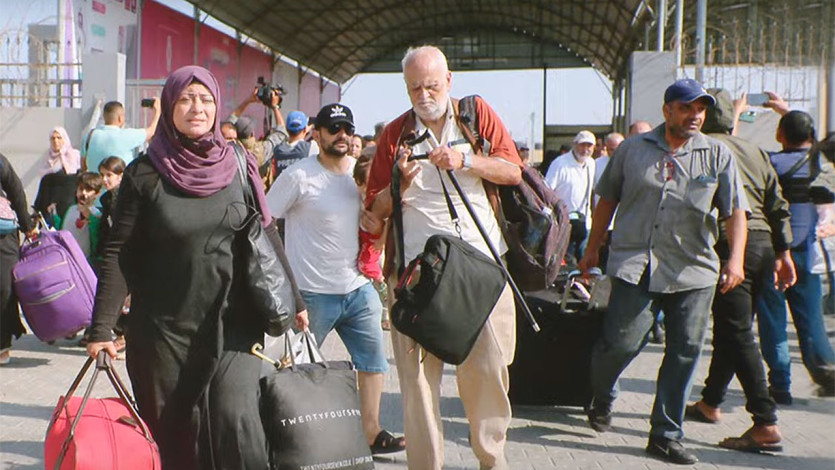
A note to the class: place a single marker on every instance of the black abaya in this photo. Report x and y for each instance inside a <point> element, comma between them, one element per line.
<point>189,333</point>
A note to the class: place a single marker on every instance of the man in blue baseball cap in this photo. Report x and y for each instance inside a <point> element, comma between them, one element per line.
<point>296,122</point>
<point>672,187</point>
<point>295,148</point>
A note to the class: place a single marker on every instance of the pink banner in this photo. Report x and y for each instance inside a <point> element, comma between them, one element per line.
<point>168,43</point>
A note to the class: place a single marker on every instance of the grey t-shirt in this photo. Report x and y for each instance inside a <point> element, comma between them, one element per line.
<point>669,206</point>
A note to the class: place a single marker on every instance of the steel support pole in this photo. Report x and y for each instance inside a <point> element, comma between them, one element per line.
<point>701,32</point>
<point>679,34</point>
<point>196,35</point>
<point>830,72</point>
<point>62,37</point>
<point>662,24</point>
<point>544,110</point>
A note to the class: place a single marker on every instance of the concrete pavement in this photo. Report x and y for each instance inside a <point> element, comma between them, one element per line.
<point>539,438</point>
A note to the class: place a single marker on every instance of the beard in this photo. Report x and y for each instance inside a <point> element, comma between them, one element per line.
<point>429,110</point>
<point>583,154</point>
<point>333,151</point>
<point>683,131</point>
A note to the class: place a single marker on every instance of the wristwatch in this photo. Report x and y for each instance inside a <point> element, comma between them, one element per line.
<point>467,160</point>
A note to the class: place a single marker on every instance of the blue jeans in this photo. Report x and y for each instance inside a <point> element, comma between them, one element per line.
<point>632,311</point>
<point>805,304</point>
<point>356,318</point>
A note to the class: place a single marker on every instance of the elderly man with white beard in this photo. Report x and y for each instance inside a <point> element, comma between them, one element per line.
<point>571,176</point>
<point>482,378</point>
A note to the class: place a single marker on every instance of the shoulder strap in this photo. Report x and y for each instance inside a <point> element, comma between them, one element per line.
<point>397,211</point>
<point>797,166</point>
<point>240,156</point>
<point>587,197</point>
<point>87,143</point>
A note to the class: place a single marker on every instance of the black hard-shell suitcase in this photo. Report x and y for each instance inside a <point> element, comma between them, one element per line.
<point>552,367</point>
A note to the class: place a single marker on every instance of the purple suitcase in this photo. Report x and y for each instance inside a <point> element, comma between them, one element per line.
<point>55,285</point>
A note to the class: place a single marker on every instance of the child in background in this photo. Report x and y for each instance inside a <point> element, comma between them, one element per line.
<point>111,170</point>
<point>372,270</point>
<point>82,218</point>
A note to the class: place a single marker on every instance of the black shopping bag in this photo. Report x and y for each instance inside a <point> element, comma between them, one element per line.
<point>311,416</point>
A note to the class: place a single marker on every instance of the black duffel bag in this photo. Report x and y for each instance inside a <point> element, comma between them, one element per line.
<point>445,296</point>
<point>311,416</point>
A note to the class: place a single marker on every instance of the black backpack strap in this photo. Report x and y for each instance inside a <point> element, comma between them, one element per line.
<point>797,166</point>
<point>397,210</point>
<point>397,218</point>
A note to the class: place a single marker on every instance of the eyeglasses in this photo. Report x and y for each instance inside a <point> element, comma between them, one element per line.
<point>334,128</point>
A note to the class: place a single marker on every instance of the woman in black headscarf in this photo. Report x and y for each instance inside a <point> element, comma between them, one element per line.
<point>173,247</point>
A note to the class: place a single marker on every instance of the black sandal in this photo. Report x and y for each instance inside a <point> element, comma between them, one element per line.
<point>385,443</point>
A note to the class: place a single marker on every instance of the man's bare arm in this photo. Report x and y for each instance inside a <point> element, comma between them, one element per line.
<point>151,129</point>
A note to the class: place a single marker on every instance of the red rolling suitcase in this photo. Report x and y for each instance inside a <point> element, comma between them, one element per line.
<point>99,433</point>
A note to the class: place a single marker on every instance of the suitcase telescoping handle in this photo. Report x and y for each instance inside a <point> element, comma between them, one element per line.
<point>103,363</point>
<point>571,282</point>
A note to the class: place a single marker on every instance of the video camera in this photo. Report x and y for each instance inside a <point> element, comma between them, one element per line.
<point>264,92</point>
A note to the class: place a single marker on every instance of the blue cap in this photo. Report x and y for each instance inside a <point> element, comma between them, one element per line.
<point>296,122</point>
<point>687,90</point>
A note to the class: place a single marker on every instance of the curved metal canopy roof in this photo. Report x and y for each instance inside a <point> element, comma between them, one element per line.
<point>340,38</point>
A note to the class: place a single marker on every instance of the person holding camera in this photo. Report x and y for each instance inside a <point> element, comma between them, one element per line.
<point>571,176</point>
<point>113,140</point>
<point>262,149</point>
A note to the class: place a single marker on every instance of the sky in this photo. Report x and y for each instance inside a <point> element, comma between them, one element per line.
<point>574,96</point>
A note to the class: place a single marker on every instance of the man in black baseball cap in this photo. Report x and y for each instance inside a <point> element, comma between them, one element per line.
<point>334,116</point>
<point>332,131</point>
<point>319,200</point>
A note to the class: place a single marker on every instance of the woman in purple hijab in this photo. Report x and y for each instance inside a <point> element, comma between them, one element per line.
<point>173,247</point>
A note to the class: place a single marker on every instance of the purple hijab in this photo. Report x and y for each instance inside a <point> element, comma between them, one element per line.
<point>203,166</point>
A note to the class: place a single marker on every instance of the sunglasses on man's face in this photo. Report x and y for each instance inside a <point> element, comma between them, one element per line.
<point>334,128</point>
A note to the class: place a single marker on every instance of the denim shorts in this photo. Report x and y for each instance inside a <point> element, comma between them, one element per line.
<point>356,318</point>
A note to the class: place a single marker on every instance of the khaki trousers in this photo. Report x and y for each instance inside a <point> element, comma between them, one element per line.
<point>482,385</point>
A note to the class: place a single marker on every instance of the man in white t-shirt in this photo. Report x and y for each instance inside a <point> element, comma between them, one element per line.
<point>571,176</point>
<point>321,205</point>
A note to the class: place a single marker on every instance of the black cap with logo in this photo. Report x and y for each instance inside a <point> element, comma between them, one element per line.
<point>334,114</point>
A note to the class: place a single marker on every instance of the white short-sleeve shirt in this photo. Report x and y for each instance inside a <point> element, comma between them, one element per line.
<point>321,211</point>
